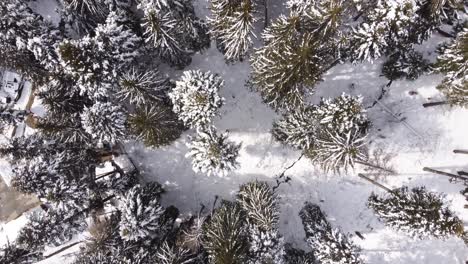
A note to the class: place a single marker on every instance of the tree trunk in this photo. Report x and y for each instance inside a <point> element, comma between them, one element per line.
<point>265,3</point>
<point>459,151</point>
<point>375,183</point>
<point>444,33</point>
<point>62,249</point>
<point>435,104</point>
<point>444,173</point>
<point>374,166</point>
<point>105,174</point>
<point>462,173</point>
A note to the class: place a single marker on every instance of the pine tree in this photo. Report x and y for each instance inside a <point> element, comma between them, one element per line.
<point>142,87</point>
<point>48,228</point>
<point>18,148</point>
<point>297,256</point>
<point>232,26</point>
<point>212,153</point>
<point>170,255</point>
<point>105,122</point>
<point>453,62</point>
<point>173,30</point>
<point>140,213</point>
<point>155,125</point>
<point>418,212</point>
<point>13,254</point>
<point>329,245</point>
<point>260,203</point>
<point>196,99</point>
<point>82,16</point>
<point>406,64</point>
<point>297,128</point>
<point>225,235</point>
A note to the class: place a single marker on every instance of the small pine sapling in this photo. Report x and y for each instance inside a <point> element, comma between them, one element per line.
<point>418,212</point>
<point>329,245</point>
<point>225,235</point>
<point>196,99</point>
<point>212,153</point>
<point>105,122</point>
<point>141,213</point>
<point>155,125</point>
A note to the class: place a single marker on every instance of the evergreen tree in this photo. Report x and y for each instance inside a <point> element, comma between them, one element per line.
<point>13,254</point>
<point>260,203</point>
<point>296,256</point>
<point>405,64</point>
<point>82,16</point>
<point>142,87</point>
<point>141,213</point>
<point>298,128</point>
<point>155,125</point>
<point>212,153</point>
<point>173,30</point>
<point>232,26</point>
<point>196,99</point>
<point>105,122</point>
<point>453,62</point>
<point>225,235</point>
<point>418,212</point>
<point>48,228</point>
<point>329,245</point>
<point>170,255</point>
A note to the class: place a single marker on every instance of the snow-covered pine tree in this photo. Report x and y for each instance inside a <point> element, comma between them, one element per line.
<point>213,153</point>
<point>141,212</point>
<point>405,64</point>
<point>48,228</point>
<point>232,26</point>
<point>173,30</point>
<point>140,87</point>
<point>453,62</point>
<point>26,147</point>
<point>298,50</point>
<point>105,122</point>
<point>66,128</point>
<point>260,203</point>
<point>170,255</point>
<point>418,212</point>
<point>82,16</point>
<point>13,254</point>
<point>155,125</point>
<point>195,98</point>
<point>386,28</point>
<point>297,256</point>
<point>329,245</point>
<point>338,151</point>
<point>298,128</point>
<point>342,114</point>
<point>225,235</point>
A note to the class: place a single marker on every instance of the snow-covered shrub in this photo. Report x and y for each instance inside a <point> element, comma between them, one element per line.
<point>328,244</point>
<point>335,151</point>
<point>405,64</point>
<point>140,212</point>
<point>212,153</point>
<point>195,97</point>
<point>342,114</point>
<point>155,125</point>
<point>298,128</point>
<point>142,87</point>
<point>265,246</point>
<point>225,235</point>
<point>193,233</point>
<point>418,212</point>
<point>105,122</point>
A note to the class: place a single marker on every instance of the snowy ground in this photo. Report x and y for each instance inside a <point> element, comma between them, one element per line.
<point>415,136</point>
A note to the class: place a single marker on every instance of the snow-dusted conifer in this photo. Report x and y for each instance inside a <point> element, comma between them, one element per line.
<point>232,26</point>
<point>329,245</point>
<point>14,254</point>
<point>82,16</point>
<point>170,255</point>
<point>140,87</point>
<point>298,128</point>
<point>140,213</point>
<point>48,228</point>
<point>405,64</point>
<point>213,153</point>
<point>195,98</point>
<point>338,151</point>
<point>342,114</point>
<point>105,122</point>
<point>225,235</point>
<point>418,212</point>
<point>155,125</point>
<point>297,256</point>
<point>453,62</point>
